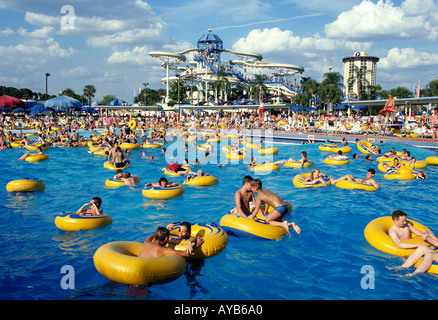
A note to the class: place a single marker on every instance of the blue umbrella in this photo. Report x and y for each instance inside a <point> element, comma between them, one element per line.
<point>63,102</point>
<point>359,107</point>
<point>4,109</point>
<point>88,109</point>
<point>116,102</point>
<point>297,108</point>
<point>21,110</point>
<point>311,109</point>
<point>38,109</point>
<point>341,107</point>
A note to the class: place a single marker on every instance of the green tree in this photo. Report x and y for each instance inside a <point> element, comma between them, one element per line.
<point>309,87</point>
<point>431,89</point>
<point>106,99</point>
<point>257,87</point>
<point>177,91</point>
<point>359,76</point>
<point>401,92</point>
<point>70,93</point>
<point>89,91</point>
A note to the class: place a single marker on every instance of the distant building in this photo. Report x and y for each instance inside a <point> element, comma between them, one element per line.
<point>359,59</point>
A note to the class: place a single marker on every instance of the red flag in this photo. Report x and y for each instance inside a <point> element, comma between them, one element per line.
<point>417,90</point>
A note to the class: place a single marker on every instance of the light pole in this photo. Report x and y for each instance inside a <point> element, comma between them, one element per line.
<point>47,75</point>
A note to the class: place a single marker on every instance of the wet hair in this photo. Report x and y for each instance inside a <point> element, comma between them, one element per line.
<point>163,179</point>
<point>160,235</point>
<point>256,183</point>
<point>97,201</point>
<point>372,171</point>
<point>247,179</point>
<point>187,225</point>
<point>398,213</point>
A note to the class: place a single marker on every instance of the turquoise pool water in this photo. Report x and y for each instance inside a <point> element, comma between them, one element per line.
<point>323,262</point>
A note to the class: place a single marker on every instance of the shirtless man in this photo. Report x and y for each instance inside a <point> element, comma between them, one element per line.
<point>369,180</point>
<point>243,197</point>
<point>155,245</point>
<point>402,230</point>
<point>389,105</point>
<point>275,217</point>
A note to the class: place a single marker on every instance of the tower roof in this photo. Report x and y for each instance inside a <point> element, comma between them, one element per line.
<point>210,39</point>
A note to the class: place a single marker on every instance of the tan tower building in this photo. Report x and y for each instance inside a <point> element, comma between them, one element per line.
<point>359,59</point>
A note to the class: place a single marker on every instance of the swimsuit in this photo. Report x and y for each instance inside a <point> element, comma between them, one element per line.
<point>282,210</point>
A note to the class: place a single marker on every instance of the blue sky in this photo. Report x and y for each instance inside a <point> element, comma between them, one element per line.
<point>109,41</point>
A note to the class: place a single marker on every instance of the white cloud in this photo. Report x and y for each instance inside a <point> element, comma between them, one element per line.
<point>137,56</point>
<point>43,33</point>
<point>275,40</point>
<point>407,58</point>
<point>6,32</point>
<point>75,72</point>
<point>384,20</point>
<point>124,37</point>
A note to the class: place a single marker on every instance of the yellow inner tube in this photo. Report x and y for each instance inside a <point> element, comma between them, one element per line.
<point>202,181</point>
<point>432,160</point>
<point>365,146</point>
<point>299,178</point>
<point>163,193</point>
<point>152,145</point>
<point>111,166</point>
<point>235,156</point>
<point>36,157</point>
<point>34,147</point>
<point>213,140</point>
<point>215,240</point>
<point>69,221</point>
<point>252,146</point>
<point>266,167</point>
<point>253,228</point>
<point>376,233</point>
<point>115,183</point>
<point>331,148</point>
<point>404,173</point>
<point>132,124</point>
<point>130,146</point>
<point>357,184</point>
<point>336,162</point>
<point>268,150</point>
<point>297,164</point>
<point>119,262</point>
<point>25,185</point>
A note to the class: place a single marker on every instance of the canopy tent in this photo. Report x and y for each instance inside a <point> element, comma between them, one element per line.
<point>88,109</point>
<point>11,102</point>
<point>64,102</point>
<point>117,102</point>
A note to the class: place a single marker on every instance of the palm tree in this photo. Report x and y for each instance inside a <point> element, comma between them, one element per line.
<point>310,87</point>
<point>89,91</point>
<point>359,76</point>
<point>331,87</point>
<point>221,83</point>
<point>258,88</point>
